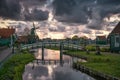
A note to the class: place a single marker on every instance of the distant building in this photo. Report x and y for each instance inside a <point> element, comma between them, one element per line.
<point>28,37</point>
<point>7,36</point>
<point>114,39</point>
<point>22,39</point>
<point>101,40</point>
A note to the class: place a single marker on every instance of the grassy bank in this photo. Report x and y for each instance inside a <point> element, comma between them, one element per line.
<point>13,68</point>
<point>105,63</point>
<point>53,48</point>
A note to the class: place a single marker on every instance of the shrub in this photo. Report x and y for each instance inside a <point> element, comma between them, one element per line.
<point>91,47</point>
<point>105,49</point>
<point>14,67</point>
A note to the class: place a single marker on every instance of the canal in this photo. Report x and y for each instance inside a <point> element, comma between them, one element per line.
<point>51,70</point>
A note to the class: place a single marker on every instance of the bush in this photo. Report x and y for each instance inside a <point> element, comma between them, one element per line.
<point>105,49</point>
<point>91,47</point>
<point>14,67</point>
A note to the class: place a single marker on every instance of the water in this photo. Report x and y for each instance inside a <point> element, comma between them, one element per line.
<point>34,71</point>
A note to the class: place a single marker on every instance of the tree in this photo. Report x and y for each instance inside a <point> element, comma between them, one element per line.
<point>75,37</point>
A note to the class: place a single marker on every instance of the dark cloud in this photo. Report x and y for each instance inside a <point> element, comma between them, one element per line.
<point>119,15</point>
<point>87,31</point>
<point>57,29</point>
<point>98,32</point>
<point>76,30</point>
<point>104,2</point>
<point>32,3</point>
<point>20,10</point>
<point>109,29</point>
<point>53,29</point>
<point>91,12</point>
<point>10,9</point>
<point>37,15</point>
<point>63,6</point>
<point>61,28</point>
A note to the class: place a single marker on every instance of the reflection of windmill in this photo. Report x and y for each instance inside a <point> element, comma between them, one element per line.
<point>33,36</point>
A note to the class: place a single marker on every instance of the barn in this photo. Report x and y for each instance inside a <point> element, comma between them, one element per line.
<point>114,39</point>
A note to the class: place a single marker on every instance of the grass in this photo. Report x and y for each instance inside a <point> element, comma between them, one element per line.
<point>102,48</point>
<point>13,68</point>
<point>53,48</point>
<point>105,63</point>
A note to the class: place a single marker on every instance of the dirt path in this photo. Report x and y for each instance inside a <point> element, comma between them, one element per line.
<point>5,53</point>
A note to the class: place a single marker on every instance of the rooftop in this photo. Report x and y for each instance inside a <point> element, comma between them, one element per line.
<point>116,30</point>
<point>6,32</point>
<point>101,37</point>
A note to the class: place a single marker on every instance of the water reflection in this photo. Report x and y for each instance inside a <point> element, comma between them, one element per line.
<point>48,54</point>
<point>53,71</point>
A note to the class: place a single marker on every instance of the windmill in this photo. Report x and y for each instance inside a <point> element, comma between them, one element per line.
<point>33,36</point>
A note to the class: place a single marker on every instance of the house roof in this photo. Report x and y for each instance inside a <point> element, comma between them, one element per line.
<point>6,32</point>
<point>22,39</point>
<point>101,37</point>
<point>116,30</point>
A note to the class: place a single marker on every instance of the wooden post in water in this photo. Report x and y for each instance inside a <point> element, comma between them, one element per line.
<point>42,51</point>
<point>55,45</point>
<point>68,46</point>
<point>61,52</point>
<point>77,45</point>
<point>63,46</point>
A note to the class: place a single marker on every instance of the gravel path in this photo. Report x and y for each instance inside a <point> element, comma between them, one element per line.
<point>5,53</point>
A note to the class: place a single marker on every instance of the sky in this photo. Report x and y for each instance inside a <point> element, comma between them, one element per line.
<point>58,19</point>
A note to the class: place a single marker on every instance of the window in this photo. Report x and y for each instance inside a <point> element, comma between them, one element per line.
<point>117,39</point>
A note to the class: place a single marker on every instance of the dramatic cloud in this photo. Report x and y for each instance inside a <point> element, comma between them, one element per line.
<point>36,15</point>
<point>87,31</point>
<point>23,10</point>
<point>10,9</point>
<point>98,32</point>
<point>90,12</point>
<point>62,18</point>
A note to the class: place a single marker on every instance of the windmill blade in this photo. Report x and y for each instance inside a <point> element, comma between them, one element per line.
<point>35,26</point>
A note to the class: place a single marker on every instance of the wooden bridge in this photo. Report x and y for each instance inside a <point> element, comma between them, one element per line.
<point>51,44</point>
<point>62,46</point>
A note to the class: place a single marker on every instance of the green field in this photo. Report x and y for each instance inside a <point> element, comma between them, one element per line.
<point>13,68</point>
<point>106,62</point>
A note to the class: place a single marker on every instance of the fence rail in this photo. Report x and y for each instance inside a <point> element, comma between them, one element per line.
<point>93,73</point>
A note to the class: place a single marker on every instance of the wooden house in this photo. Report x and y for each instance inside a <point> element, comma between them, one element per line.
<point>114,39</point>
<point>6,36</point>
<point>22,39</point>
<point>101,40</point>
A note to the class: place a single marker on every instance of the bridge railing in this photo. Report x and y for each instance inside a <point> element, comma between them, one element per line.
<point>53,44</point>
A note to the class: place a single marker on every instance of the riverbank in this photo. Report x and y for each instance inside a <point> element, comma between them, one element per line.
<point>105,63</point>
<point>13,68</point>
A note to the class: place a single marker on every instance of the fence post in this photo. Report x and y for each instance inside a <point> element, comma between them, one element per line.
<point>42,51</point>
<point>61,52</point>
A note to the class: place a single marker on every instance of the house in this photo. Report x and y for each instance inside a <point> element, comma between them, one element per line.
<point>114,39</point>
<point>6,36</point>
<point>22,39</point>
<point>101,40</point>
<point>27,39</point>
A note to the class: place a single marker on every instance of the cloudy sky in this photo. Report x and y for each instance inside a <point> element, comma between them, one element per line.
<point>61,18</point>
